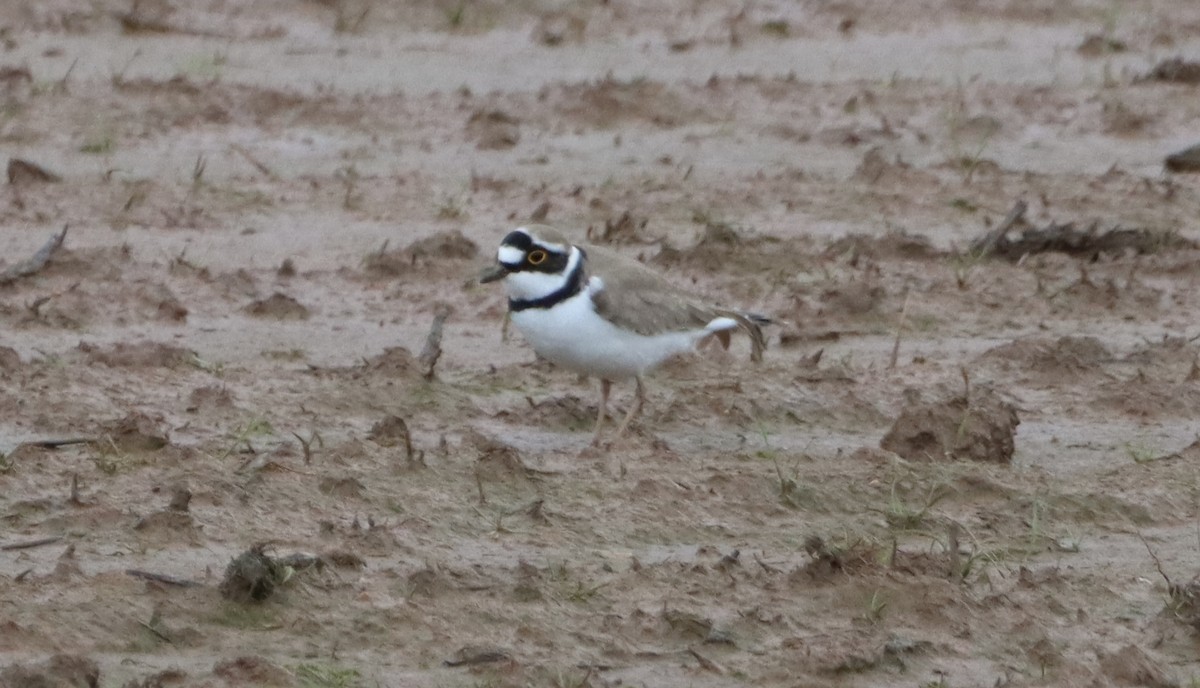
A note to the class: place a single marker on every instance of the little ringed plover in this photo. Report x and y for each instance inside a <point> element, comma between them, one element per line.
<point>598,314</point>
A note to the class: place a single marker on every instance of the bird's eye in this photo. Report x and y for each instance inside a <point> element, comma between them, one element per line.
<point>536,257</point>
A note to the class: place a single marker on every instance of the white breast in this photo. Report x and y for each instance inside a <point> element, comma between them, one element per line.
<point>573,335</point>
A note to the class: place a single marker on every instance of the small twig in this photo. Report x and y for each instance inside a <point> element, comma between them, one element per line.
<point>982,246</point>
<point>162,578</point>
<point>75,490</point>
<point>161,636</point>
<point>22,575</point>
<point>55,444</point>
<point>306,445</point>
<point>479,485</point>
<point>37,262</point>
<point>258,164</point>
<point>432,350</point>
<point>765,566</point>
<point>705,662</point>
<point>61,86</point>
<point>30,544</point>
<point>1157,563</point>
<point>899,332</point>
<point>956,571</point>
<point>535,510</point>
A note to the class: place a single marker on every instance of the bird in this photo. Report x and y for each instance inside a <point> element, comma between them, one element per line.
<point>599,314</point>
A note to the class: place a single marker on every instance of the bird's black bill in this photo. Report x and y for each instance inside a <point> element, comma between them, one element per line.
<point>496,272</point>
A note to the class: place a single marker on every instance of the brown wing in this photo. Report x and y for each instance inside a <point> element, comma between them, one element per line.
<point>637,299</point>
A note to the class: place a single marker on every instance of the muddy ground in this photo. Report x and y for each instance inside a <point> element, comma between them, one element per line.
<point>270,202</point>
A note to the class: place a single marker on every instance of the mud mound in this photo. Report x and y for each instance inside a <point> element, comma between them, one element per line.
<point>570,411</point>
<point>1050,359</point>
<point>1089,243</point>
<point>26,173</point>
<point>136,432</point>
<point>624,229</point>
<point>609,102</point>
<point>1170,351</point>
<point>1121,295</point>
<point>827,562</point>
<point>493,130</point>
<point>209,397</point>
<point>876,169</point>
<point>431,250</point>
<point>278,306</point>
<point>107,264</point>
<point>252,576</point>
<point>138,355</point>
<point>857,297</point>
<point>163,303</point>
<point>899,244</point>
<point>253,670</point>
<point>1186,160</point>
<point>395,361</point>
<point>1147,398</point>
<point>979,429</point>
<point>724,248</point>
<point>10,360</point>
<point>451,245</point>
<point>1131,666</point>
<point>60,671</point>
<point>185,102</point>
<point>1175,70</point>
<point>390,432</point>
<point>497,462</point>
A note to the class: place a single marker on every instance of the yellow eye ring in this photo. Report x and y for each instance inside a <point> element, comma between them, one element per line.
<point>537,257</point>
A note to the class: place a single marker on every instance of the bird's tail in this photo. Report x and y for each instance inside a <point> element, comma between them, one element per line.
<point>750,323</point>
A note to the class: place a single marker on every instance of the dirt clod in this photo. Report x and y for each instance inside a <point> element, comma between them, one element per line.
<point>624,229</point>
<point>446,245</point>
<point>1176,70</point>
<point>209,397</point>
<point>1131,666</point>
<point>253,670</point>
<point>979,429</point>
<point>138,355</point>
<point>1051,361</point>
<point>432,250</point>
<point>393,431</point>
<point>23,172</point>
<point>278,306</point>
<point>493,130</point>
<point>826,561</point>
<point>59,671</point>
<point>252,576</point>
<point>137,432</point>
<point>167,678</point>
<point>471,655</point>
<point>1186,160</point>
<point>342,487</point>
<point>10,360</point>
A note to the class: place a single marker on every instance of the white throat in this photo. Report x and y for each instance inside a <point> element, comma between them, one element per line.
<point>530,286</point>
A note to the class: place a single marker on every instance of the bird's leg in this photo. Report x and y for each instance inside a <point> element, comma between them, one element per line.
<point>640,398</point>
<point>605,387</point>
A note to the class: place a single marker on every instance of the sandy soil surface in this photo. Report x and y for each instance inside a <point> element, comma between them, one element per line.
<point>270,203</point>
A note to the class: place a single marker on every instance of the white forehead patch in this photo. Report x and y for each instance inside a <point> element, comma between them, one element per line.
<point>510,255</point>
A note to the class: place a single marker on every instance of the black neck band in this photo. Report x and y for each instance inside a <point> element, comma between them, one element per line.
<point>571,287</point>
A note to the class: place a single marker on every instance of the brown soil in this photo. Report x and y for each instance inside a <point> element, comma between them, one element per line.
<point>270,203</point>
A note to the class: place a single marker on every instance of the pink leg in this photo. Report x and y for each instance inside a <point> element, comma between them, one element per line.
<point>605,387</point>
<point>640,398</point>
